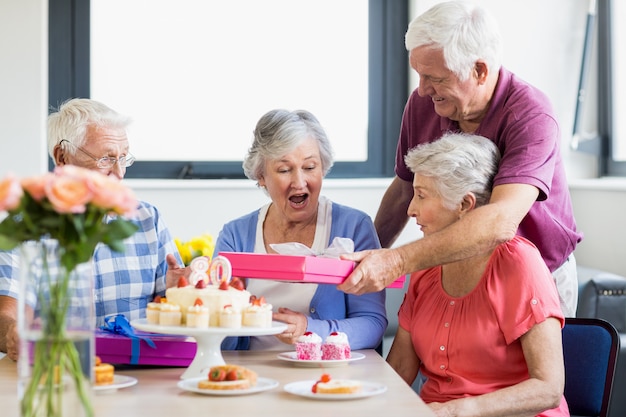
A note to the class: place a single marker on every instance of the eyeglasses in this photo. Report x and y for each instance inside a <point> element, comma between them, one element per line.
<point>106,162</point>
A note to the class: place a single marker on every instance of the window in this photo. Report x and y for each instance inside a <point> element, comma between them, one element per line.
<point>609,144</point>
<point>613,16</point>
<point>212,68</point>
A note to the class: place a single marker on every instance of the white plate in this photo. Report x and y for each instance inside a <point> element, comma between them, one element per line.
<point>262,384</point>
<point>292,357</point>
<point>303,389</point>
<point>119,381</point>
<point>143,325</point>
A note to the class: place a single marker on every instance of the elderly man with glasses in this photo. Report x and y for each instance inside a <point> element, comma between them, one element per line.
<point>89,134</point>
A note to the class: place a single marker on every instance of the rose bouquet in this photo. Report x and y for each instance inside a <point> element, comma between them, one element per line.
<point>77,209</point>
<point>202,245</point>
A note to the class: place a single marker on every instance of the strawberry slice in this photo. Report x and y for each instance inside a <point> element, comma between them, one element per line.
<point>258,301</point>
<point>217,374</point>
<point>198,302</point>
<point>200,284</point>
<point>232,375</point>
<point>237,284</point>
<point>323,378</point>
<point>224,285</point>
<point>182,282</point>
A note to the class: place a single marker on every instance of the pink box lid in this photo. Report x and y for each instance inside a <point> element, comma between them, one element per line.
<point>293,268</point>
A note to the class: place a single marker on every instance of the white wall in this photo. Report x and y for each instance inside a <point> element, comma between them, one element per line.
<point>197,206</point>
<point>547,53</point>
<point>23,85</point>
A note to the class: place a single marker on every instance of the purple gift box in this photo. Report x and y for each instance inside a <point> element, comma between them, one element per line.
<point>168,350</point>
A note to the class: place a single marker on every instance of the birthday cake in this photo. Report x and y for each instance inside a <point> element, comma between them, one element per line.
<point>211,290</point>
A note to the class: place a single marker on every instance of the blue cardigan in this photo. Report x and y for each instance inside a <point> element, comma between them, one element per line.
<point>362,317</point>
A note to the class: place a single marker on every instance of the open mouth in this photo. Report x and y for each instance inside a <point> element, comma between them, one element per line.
<point>298,199</point>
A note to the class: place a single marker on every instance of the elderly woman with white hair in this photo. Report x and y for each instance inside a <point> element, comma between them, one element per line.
<point>484,331</point>
<point>289,157</point>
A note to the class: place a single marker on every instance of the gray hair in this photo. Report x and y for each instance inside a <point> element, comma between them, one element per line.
<point>279,132</point>
<point>73,118</point>
<point>458,163</point>
<point>466,33</point>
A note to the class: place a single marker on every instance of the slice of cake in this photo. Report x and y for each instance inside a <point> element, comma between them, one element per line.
<point>327,385</point>
<point>338,386</point>
<point>309,347</point>
<point>104,373</point>
<point>229,377</point>
<point>336,347</point>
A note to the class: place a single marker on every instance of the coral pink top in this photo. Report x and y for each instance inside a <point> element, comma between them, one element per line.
<point>470,345</point>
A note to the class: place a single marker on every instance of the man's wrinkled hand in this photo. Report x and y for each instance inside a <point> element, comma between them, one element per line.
<point>376,269</point>
<point>174,271</point>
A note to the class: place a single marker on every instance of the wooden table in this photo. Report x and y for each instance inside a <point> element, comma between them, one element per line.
<point>157,393</point>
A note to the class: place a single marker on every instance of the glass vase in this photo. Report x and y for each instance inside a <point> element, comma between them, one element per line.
<point>56,327</point>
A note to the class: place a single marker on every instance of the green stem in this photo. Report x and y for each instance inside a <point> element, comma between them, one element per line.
<point>55,354</point>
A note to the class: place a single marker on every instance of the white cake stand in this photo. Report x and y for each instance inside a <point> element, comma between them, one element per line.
<point>208,340</point>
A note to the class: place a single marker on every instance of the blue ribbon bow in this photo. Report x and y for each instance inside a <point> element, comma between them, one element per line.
<point>119,324</point>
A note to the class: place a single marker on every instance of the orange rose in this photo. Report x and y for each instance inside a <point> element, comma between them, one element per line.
<point>69,189</point>
<point>10,193</point>
<point>109,193</point>
<point>36,186</point>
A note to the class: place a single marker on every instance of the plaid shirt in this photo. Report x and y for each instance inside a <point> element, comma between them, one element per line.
<point>124,282</point>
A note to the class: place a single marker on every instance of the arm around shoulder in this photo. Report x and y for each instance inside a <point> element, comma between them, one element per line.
<point>392,217</point>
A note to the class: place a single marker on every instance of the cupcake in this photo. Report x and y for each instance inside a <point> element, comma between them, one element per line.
<point>170,315</point>
<point>229,317</point>
<point>198,315</point>
<point>258,313</point>
<point>309,347</point>
<point>153,312</point>
<point>336,347</point>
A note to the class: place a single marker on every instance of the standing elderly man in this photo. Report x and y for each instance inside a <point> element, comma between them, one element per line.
<point>89,134</point>
<point>455,49</point>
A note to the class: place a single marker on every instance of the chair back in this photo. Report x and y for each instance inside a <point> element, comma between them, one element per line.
<point>590,348</point>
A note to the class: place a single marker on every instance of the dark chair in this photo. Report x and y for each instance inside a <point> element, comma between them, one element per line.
<point>590,349</point>
<point>603,296</point>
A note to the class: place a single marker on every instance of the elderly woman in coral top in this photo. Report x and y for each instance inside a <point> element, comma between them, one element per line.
<point>289,157</point>
<point>485,331</point>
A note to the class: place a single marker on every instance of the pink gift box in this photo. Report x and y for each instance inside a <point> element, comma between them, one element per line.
<point>170,350</point>
<point>293,268</point>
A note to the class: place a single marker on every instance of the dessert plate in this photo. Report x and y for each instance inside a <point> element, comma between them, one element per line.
<point>292,357</point>
<point>303,389</point>
<point>119,381</point>
<point>262,384</point>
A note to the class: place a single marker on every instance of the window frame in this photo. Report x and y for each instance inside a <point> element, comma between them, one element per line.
<point>69,69</point>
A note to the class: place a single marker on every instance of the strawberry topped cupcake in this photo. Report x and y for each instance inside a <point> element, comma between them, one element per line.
<point>198,315</point>
<point>309,347</point>
<point>258,313</point>
<point>230,317</point>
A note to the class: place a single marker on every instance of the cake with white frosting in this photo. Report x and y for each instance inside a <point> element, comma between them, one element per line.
<point>309,347</point>
<point>336,347</point>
